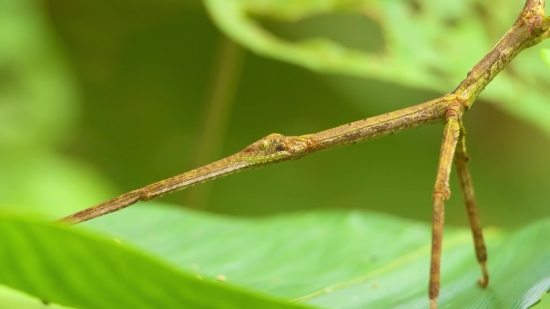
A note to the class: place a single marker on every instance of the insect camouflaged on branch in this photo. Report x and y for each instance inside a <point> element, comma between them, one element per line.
<point>530,28</point>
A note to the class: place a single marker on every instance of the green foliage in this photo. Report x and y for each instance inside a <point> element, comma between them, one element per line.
<point>327,259</point>
<point>124,94</point>
<point>545,54</point>
<point>66,266</point>
<point>36,87</point>
<point>428,44</point>
<point>38,112</point>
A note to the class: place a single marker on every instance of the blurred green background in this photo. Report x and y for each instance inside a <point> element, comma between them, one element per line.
<point>99,98</point>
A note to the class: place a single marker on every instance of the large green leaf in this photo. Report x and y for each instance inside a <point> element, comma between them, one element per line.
<point>429,44</point>
<point>13,299</point>
<point>73,268</point>
<point>341,259</point>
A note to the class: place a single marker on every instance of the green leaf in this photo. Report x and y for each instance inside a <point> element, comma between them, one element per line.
<point>72,268</point>
<point>545,53</point>
<point>428,44</point>
<point>10,298</point>
<point>339,259</point>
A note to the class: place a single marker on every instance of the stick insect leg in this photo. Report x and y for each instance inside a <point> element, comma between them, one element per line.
<point>441,193</point>
<point>461,160</point>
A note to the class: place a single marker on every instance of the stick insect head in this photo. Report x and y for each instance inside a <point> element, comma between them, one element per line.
<point>276,147</point>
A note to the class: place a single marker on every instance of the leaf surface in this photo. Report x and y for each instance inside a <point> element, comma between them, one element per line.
<point>341,259</point>
<point>66,266</point>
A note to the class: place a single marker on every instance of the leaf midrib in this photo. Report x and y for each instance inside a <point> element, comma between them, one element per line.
<point>459,239</point>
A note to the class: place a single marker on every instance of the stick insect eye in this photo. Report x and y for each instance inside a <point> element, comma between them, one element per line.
<point>263,145</point>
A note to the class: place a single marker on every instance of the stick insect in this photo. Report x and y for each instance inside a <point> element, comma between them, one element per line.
<point>530,28</point>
